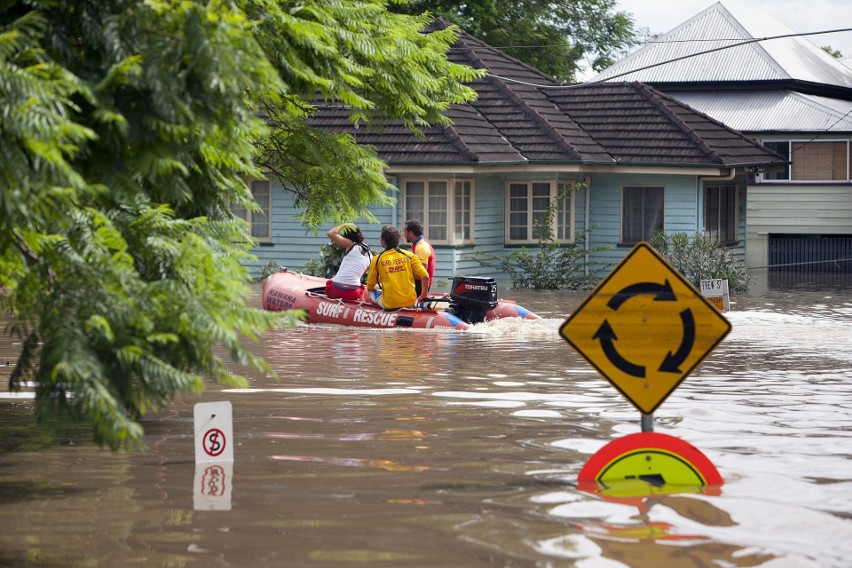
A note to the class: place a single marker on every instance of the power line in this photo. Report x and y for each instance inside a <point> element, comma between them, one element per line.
<point>835,261</point>
<point>661,63</point>
<point>724,47</point>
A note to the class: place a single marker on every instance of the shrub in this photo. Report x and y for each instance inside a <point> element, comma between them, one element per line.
<point>329,261</point>
<point>270,267</point>
<point>551,265</point>
<point>701,258</point>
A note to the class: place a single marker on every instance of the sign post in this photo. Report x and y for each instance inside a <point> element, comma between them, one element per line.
<point>645,328</point>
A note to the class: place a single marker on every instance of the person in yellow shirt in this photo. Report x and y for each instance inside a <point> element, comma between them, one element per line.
<point>392,274</point>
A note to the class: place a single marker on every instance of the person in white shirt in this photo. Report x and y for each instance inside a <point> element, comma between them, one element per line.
<point>346,284</point>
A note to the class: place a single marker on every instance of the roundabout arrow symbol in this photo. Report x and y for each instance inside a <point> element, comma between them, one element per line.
<point>661,293</point>
<point>671,364</point>
<point>607,338</point>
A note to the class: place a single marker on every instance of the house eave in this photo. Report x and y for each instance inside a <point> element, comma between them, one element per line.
<point>572,168</point>
<point>806,87</point>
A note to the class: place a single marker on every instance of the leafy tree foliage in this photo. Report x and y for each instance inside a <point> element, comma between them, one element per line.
<point>376,62</point>
<point>555,37</point>
<point>128,130</point>
<point>835,53</point>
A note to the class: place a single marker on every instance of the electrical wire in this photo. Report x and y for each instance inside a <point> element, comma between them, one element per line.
<point>661,63</point>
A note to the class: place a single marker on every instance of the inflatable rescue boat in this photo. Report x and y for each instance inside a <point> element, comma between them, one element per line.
<point>471,300</point>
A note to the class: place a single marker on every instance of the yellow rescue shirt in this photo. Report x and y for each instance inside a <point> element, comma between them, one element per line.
<point>396,269</point>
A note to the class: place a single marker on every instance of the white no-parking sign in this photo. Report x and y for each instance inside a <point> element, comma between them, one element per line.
<point>214,432</point>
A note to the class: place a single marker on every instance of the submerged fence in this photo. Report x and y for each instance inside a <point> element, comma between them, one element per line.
<point>810,253</point>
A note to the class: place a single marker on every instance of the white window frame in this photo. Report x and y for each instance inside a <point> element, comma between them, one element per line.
<point>555,186</point>
<point>622,240</point>
<point>715,232</point>
<point>794,144</point>
<point>260,221</point>
<point>454,225</point>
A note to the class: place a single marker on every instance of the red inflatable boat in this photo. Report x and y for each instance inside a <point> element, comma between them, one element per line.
<point>471,300</point>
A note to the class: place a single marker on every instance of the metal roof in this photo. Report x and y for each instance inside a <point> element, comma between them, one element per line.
<point>716,29</point>
<point>775,111</point>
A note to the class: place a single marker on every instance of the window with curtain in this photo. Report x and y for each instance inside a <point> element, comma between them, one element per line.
<point>642,212</point>
<point>527,206</point>
<point>445,207</point>
<point>811,160</point>
<point>720,213</point>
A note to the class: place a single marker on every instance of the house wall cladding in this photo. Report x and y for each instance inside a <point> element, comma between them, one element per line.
<point>682,212</point>
<point>783,209</point>
<point>292,246</point>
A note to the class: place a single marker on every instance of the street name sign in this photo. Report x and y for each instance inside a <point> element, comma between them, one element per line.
<point>716,293</point>
<point>645,328</point>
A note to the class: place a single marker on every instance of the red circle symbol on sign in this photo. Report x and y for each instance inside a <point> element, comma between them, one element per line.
<point>214,442</point>
<point>651,455</point>
<point>213,481</point>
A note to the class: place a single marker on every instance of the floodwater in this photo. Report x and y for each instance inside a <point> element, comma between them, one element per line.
<point>462,449</point>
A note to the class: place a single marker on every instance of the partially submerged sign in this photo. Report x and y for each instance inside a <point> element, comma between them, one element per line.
<point>645,328</point>
<point>214,456</point>
<point>716,293</point>
<point>658,460</point>
<point>213,484</point>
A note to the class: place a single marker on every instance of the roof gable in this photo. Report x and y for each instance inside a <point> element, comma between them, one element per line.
<point>714,30</point>
<point>640,125</point>
<point>523,116</point>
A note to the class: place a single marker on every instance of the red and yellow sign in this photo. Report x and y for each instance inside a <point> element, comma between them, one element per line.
<point>649,462</point>
<point>645,328</point>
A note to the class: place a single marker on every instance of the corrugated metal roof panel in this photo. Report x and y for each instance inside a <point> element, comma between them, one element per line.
<point>671,59</point>
<point>763,111</point>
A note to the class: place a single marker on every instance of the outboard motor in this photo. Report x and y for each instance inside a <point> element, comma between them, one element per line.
<point>471,297</point>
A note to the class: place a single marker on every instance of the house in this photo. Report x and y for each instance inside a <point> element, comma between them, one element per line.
<point>785,93</point>
<point>646,162</point>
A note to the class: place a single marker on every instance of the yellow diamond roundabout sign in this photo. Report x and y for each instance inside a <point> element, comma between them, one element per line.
<point>645,328</point>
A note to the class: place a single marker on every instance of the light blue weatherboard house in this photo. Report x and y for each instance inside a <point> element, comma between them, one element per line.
<point>646,161</point>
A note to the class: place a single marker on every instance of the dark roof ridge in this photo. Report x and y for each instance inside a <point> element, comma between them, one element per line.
<point>460,144</point>
<point>504,88</point>
<point>655,98</point>
<point>440,23</point>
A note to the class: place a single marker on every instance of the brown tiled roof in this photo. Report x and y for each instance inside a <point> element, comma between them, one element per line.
<point>522,115</point>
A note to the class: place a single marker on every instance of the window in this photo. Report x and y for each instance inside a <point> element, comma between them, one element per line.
<point>720,213</point>
<point>261,190</point>
<point>811,160</point>
<point>445,207</point>
<point>782,148</point>
<point>641,213</point>
<point>527,207</point>
<point>819,161</point>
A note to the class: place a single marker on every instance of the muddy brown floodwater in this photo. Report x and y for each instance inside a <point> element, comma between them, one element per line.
<point>461,449</point>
